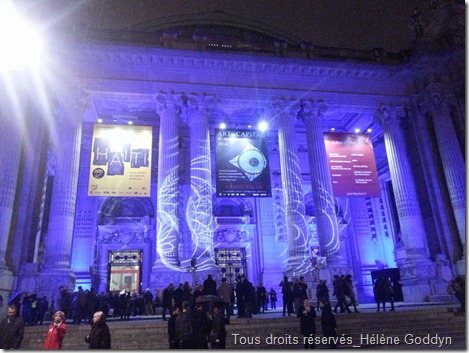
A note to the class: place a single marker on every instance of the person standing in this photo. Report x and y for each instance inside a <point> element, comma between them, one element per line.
<point>307,314</point>
<point>328,322</point>
<point>225,292</point>
<point>172,337</point>
<point>273,298</point>
<point>11,330</point>
<point>100,336</point>
<point>183,325</point>
<point>218,334</point>
<point>56,333</point>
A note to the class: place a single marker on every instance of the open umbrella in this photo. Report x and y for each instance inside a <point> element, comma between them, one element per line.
<point>209,298</point>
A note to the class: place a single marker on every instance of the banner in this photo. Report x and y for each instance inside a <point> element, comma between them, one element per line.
<point>120,161</point>
<point>242,166</point>
<point>352,164</point>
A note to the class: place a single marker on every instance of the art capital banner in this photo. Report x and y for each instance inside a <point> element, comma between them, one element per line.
<point>120,161</point>
<point>242,165</point>
<point>352,164</point>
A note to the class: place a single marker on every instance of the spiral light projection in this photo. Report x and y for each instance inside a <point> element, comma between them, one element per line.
<point>296,220</point>
<point>332,244</point>
<point>199,213</point>
<point>167,222</point>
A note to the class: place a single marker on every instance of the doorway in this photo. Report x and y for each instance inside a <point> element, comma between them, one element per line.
<point>125,271</point>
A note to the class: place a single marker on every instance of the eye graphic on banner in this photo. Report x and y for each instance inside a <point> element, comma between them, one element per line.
<point>251,161</point>
<point>242,163</point>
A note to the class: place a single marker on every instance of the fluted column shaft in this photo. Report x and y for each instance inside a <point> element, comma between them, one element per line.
<point>168,107</point>
<point>321,185</point>
<point>66,144</point>
<point>408,209</point>
<point>199,208</point>
<point>451,158</point>
<point>297,239</point>
<point>11,122</point>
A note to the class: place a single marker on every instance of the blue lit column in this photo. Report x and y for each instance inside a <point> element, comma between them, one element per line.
<point>199,215</point>
<point>297,239</point>
<point>438,105</point>
<point>412,256</point>
<point>11,118</point>
<point>168,107</point>
<point>66,145</point>
<point>321,185</point>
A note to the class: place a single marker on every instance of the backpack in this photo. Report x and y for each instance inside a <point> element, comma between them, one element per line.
<point>184,327</point>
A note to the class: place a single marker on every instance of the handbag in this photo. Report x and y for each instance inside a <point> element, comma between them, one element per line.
<point>87,338</point>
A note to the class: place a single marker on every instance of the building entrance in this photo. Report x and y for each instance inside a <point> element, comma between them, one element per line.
<point>232,262</point>
<point>125,270</point>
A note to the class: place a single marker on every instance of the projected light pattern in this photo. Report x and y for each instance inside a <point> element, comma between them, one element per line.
<point>327,223</point>
<point>199,213</point>
<point>167,221</point>
<point>295,218</point>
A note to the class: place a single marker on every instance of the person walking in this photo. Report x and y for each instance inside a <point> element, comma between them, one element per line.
<point>350,291</point>
<point>307,314</point>
<point>56,332</point>
<point>100,336</point>
<point>11,329</point>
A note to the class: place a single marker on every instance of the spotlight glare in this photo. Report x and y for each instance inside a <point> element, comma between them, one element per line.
<point>357,131</point>
<point>222,126</point>
<point>369,130</point>
<point>332,128</point>
<point>130,122</point>
<point>20,42</point>
<point>100,120</point>
<point>262,126</point>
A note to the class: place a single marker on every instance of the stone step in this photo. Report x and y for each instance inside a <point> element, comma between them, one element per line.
<point>128,334</point>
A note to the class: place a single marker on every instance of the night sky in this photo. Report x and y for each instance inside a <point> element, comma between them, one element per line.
<point>360,24</point>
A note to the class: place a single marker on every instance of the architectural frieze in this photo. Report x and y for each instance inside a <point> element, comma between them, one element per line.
<point>238,64</point>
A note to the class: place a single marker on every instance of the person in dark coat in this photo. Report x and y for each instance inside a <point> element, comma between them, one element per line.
<point>100,336</point>
<point>218,334</point>
<point>322,292</point>
<point>172,336</point>
<point>210,286</point>
<point>11,330</point>
<point>328,322</point>
<point>307,314</point>
<point>200,327</point>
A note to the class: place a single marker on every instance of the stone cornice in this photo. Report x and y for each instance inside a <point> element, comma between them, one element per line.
<point>146,58</point>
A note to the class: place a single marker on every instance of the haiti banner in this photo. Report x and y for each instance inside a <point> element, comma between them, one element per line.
<point>242,165</point>
<point>120,161</point>
<point>352,164</point>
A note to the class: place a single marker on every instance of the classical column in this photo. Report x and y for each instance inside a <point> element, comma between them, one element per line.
<point>438,105</point>
<point>297,238</point>
<point>12,119</point>
<point>66,144</point>
<point>321,184</point>
<point>412,259</point>
<point>199,213</point>
<point>168,106</point>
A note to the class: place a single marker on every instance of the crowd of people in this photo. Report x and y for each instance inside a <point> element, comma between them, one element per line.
<point>196,316</point>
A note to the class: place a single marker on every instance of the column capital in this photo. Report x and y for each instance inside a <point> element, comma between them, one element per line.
<point>169,100</point>
<point>438,97</point>
<point>282,105</point>
<point>201,102</point>
<point>76,100</point>
<point>312,109</point>
<point>389,115</point>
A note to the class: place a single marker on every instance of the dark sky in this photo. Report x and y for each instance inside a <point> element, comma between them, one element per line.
<point>362,24</point>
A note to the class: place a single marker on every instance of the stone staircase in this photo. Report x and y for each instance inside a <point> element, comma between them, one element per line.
<point>440,326</point>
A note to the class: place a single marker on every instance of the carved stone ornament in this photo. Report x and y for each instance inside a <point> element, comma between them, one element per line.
<point>231,235</point>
